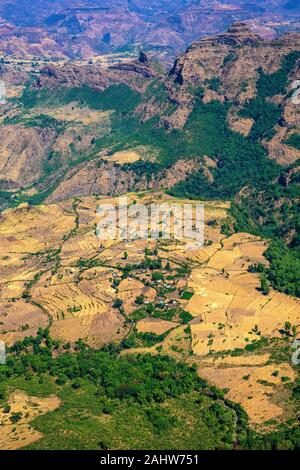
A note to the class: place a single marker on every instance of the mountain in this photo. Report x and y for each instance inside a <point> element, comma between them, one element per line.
<point>193,346</point>
<point>86,28</point>
<point>227,103</point>
<point>223,124</point>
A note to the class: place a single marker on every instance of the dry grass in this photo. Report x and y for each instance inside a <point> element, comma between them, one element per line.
<point>77,298</point>
<point>227,300</point>
<point>253,387</point>
<point>125,157</point>
<point>72,113</point>
<point>155,325</point>
<point>21,434</point>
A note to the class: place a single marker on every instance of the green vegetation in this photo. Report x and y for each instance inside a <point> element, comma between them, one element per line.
<point>169,404</point>
<point>240,161</point>
<point>143,168</point>
<point>157,92</point>
<point>117,97</point>
<point>284,270</point>
<point>293,141</point>
<point>264,285</point>
<point>205,133</point>
<point>279,220</point>
<point>142,340</point>
<point>265,113</point>
<point>214,84</point>
<point>231,57</point>
<point>101,391</point>
<point>40,120</point>
<point>278,213</point>
<point>187,295</point>
<point>185,317</point>
<point>176,314</point>
<point>278,210</point>
<point>276,83</point>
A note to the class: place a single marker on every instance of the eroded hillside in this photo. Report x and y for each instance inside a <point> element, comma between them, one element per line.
<point>83,29</point>
<point>223,126</point>
<point>214,108</point>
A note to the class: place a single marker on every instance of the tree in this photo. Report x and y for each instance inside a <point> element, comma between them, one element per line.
<point>168,266</point>
<point>264,285</point>
<point>287,328</point>
<point>2,392</point>
<point>118,303</point>
<point>15,417</point>
<point>140,299</point>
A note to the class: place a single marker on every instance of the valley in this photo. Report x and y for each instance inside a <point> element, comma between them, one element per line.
<point>83,29</point>
<point>201,307</point>
<point>192,345</point>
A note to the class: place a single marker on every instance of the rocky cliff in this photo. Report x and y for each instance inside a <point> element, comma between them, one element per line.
<point>233,84</point>
<point>82,29</point>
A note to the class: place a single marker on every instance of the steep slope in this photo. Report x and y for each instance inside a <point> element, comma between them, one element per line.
<point>64,294</point>
<point>223,126</point>
<point>82,29</point>
<point>228,103</point>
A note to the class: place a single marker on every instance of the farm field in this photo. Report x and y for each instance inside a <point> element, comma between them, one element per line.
<point>200,306</point>
<point>149,225</point>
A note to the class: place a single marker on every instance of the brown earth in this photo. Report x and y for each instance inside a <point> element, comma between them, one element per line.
<point>105,177</point>
<point>228,303</point>
<point>252,387</point>
<point>22,153</point>
<point>17,435</point>
<point>49,251</point>
<point>81,29</point>
<point>72,280</point>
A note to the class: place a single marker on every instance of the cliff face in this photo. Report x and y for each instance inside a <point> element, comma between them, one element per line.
<point>65,119</point>
<point>233,58</point>
<point>107,178</point>
<point>227,68</point>
<point>85,28</point>
<point>22,154</point>
<point>134,73</point>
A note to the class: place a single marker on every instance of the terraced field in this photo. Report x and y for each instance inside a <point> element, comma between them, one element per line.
<point>206,307</point>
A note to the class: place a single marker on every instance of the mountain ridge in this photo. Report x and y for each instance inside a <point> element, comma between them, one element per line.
<point>82,29</point>
<point>192,344</point>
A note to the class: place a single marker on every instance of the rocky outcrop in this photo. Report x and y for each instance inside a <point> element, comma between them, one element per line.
<point>22,153</point>
<point>71,75</point>
<point>225,68</point>
<point>108,178</point>
<point>82,29</point>
<point>233,58</point>
<point>13,74</point>
<point>140,68</point>
<point>237,34</point>
<point>134,73</point>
